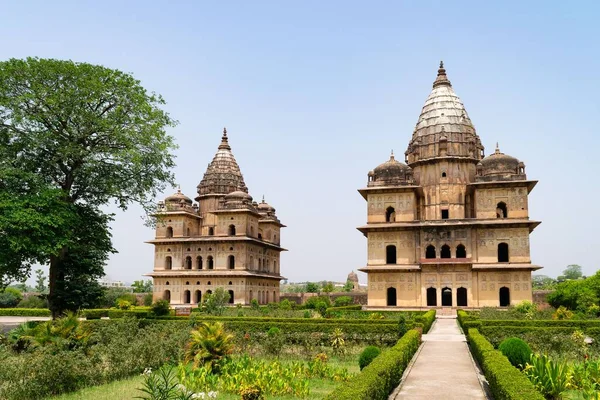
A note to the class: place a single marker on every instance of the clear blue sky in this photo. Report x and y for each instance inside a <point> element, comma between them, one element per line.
<point>314,94</point>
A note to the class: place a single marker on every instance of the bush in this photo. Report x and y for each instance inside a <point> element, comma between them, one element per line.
<point>526,307</point>
<point>402,327</point>
<point>312,302</point>
<point>562,313</point>
<point>24,312</point>
<point>368,355</point>
<point>148,297</point>
<point>342,301</point>
<point>427,320</point>
<point>285,304</point>
<point>10,297</point>
<point>274,341</point>
<point>161,307</point>
<point>379,379</point>
<point>321,308</point>
<point>33,302</point>
<point>354,307</point>
<point>95,313</point>
<point>516,350</point>
<point>506,382</point>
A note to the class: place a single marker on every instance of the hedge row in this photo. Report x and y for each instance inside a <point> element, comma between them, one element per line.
<point>280,320</point>
<point>582,323</point>
<point>24,312</point>
<point>426,319</point>
<point>506,382</point>
<point>354,307</point>
<point>379,378</point>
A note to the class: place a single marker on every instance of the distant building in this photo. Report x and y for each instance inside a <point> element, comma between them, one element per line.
<point>110,283</point>
<point>224,240</point>
<point>353,277</point>
<point>451,226</point>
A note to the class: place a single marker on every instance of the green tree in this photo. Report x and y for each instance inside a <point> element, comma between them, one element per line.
<point>572,271</point>
<point>328,287</point>
<point>143,286</point>
<point>214,303</point>
<point>311,287</point>
<point>40,280</point>
<point>543,282</point>
<point>209,346</point>
<point>348,286</point>
<point>73,137</point>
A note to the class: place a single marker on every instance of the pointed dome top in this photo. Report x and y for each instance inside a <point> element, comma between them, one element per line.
<point>223,174</point>
<point>443,119</point>
<point>178,197</point>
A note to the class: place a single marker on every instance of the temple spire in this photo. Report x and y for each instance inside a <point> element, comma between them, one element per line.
<point>442,78</point>
<point>224,141</point>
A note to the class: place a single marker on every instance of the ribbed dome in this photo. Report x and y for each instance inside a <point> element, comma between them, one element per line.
<point>500,166</point>
<point>238,194</point>
<point>444,128</point>
<point>178,197</point>
<point>390,173</point>
<point>223,174</point>
<point>264,206</point>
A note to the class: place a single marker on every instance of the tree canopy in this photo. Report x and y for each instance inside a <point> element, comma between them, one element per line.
<point>73,138</point>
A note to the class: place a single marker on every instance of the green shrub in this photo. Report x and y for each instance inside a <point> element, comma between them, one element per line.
<point>274,341</point>
<point>148,297</point>
<point>312,302</point>
<point>342,301</point>
<point>402,327</point>
<point>562,313</point>
<point>161,307</point>
<point>24,312</point>
<point>505,381</point>
<point>526,307</point>
<point>254,304</point>
<point>427,320</point>
<point>354,307</point>
<point>321,308</point>
<point>368,355</point>
<point>95,313</point>
<point>516,350</point>
<point>285,304</point>
<point>33,302</point>
<point>307,314</point>
<point>10,297</point>
<point>379,379</point>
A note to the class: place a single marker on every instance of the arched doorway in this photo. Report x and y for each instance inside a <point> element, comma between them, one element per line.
<point>430,252</point>
<point>231,230</point>
<point>461,297</point>
<point>503,252</point>
<point>231,262</point>
<point>501,210</point>
<point>187,297</point>
<point>167,295</point>
<point>431,297</point>
<point>390,214</point>
<point>391,296</point>
<point>199,262</point>
<point>210,262</point>
<point>446,297</point>
<point>169,232</point>
<point>230,296</point>
<point>445,253</point>
<point>461,252</point>
<point>390,254</point>
<point>198,297</point>
<point>504,296</point>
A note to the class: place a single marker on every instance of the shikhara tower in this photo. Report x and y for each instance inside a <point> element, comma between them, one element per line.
<point>224,240</point>
<point>451,226</point>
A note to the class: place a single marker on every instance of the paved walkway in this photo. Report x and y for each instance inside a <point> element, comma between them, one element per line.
<point>443,367</point>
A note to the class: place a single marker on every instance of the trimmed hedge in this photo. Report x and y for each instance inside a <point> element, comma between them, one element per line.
<point>135,313</point>
<point>95,313</point>
<point>574,323</point>
<point>506,382</point>
<point>354,307</point>
<point>427,320</point>
<point>24,312</point>
<point>379,378</point>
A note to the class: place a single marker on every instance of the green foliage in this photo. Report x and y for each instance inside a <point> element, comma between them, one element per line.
<point>516,350</point>
<point>562,313</point>
<point>342,301</point>
<point>123,304</point>
<point>33,302</point>
<point>209,346</point>
<point>10,297</point>
<point>402,327</point>
<point>142,286</point>
<point>368,355</point>
<point>24,312</point>
<point>338,342</point>
<point>161,385</point>
<point>572,271</point>
<point>379,379</point>
<point>348,286</point>
<point>40,285</point>
<point>285,304</point>
<point>354,307</point>
<point>214,303</point>
<point>251,392</point>
<point>160,308</point>
<point>312,302</point>
<point>254,304</point>
<point>327,287</point>
<point>147,300</point>
<point>505,381</point>
<point>427,320</point>
<point>106,137</point>
<point>577,294</point>
<point>526,307</point>
<point>274,341</point>
<point>311,287</point>
<point>551,378</point>
<point>542,282</point>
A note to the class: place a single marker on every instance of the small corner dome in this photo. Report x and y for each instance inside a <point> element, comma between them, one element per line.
<point>391,172</point>
<point>178,198</point>
<point>499,163</point>
<point>238,194</point>
<point>264,206</point>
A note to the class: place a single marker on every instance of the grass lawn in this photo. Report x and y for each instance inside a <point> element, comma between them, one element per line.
<point>128,388</point>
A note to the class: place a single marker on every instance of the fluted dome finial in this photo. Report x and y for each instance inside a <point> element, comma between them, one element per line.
<point>392,155</point>
<point>224,141</point>
<point>497,149</point>
<point>441,78</point>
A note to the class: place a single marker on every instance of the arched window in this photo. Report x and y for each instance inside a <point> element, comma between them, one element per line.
<point>168,262</point>
<point>461,252</point>
<point>502,252</point>
<point>211,231</point>
<point>501,210</point>
<point>431,297</point>
<point>189,232</point>
<point>446,297</point>
<point>167,295</point>
<point>169,232</point>
<point>188,262</point>
<point>167,283</point>
<point>274,297</point>
<point>390,254</point>
<point>187,297</point>
<point>231,262</point>
<point>430,251</point>
<point>199,262</point>
<point>231,230</point>
<point>445,253</point>
<point>260,236</point>
<point>208,284</point>
<point>390,214</point>
<point>391,296</point>
<point>198,296</point>
<point>504,295</point>
<point>210,262</point>
<point>443,174</point>
<point>230,296</point>
<point>461,297</point>
<point>187,283</point>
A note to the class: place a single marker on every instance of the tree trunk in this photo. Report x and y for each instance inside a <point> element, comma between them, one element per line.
<point>56,279</point>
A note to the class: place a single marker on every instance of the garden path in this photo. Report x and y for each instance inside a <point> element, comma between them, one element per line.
<point>442,368</point>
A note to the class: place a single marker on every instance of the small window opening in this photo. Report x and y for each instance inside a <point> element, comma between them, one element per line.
<point>445,253</point>
<point>430,251</point>
<point>211,231</point>
<point>390,254</point>
<point>461,252</point>
<point>443,174</point>
<point>231,262</point>
<point>503,252</point>
<point>169,232</point>
<point>501,211</point>
<point>390,214</point>
<point>445,214</point>
<point>210,262</point>
<point>231,230</point>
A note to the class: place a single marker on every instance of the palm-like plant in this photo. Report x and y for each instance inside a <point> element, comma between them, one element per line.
<point>209,345</point>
